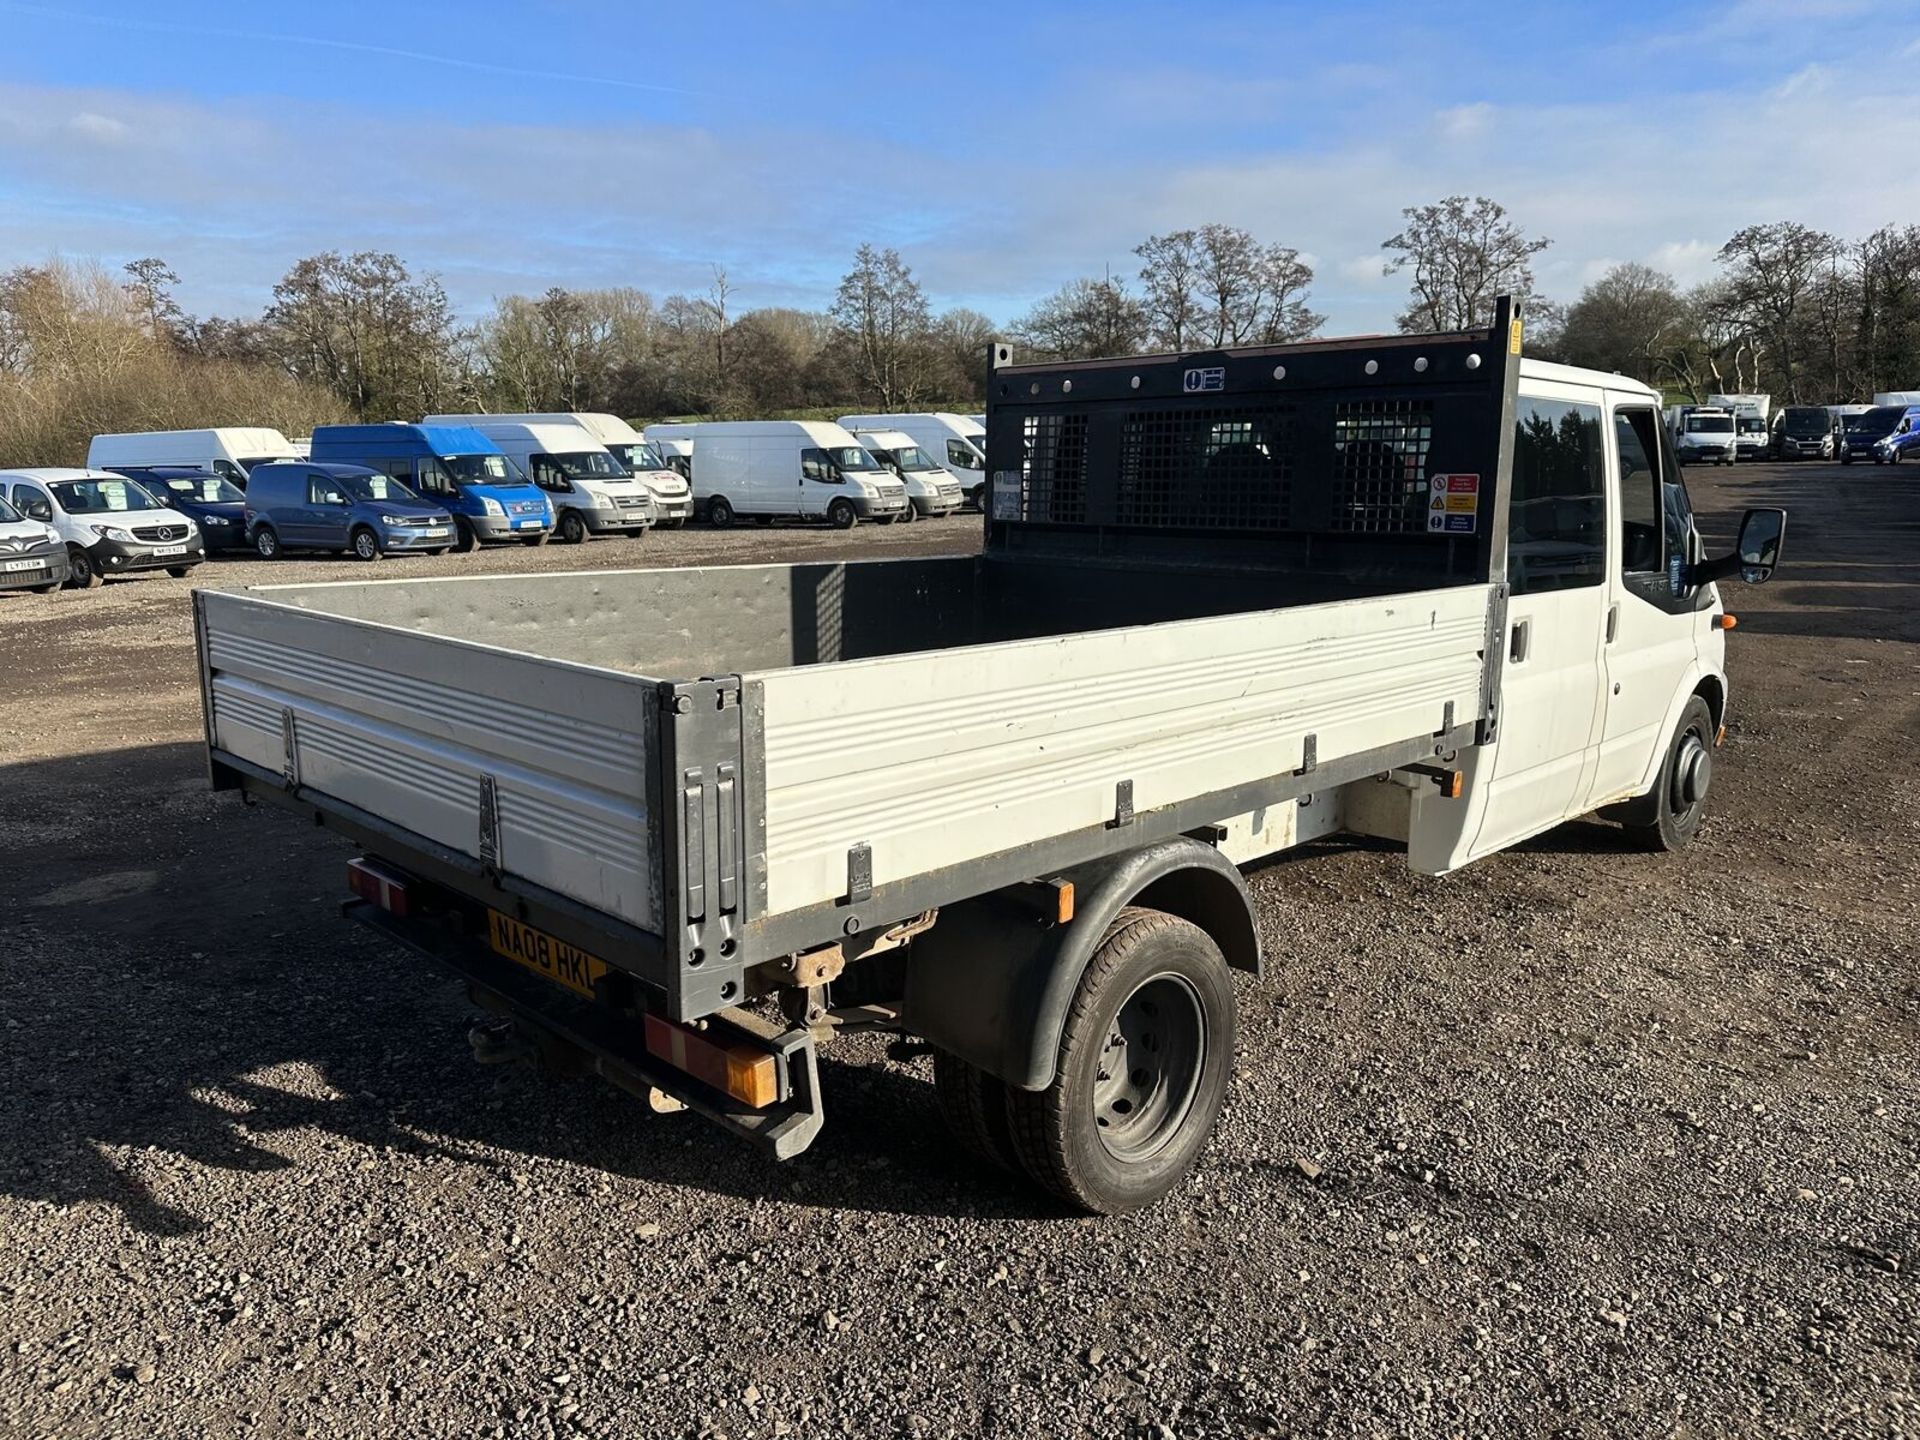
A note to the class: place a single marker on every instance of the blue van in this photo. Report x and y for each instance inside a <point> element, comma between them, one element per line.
<point>453,465</point>
<point>298,505</point>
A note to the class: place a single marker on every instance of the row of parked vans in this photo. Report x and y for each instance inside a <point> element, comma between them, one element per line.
<point>168,499</point>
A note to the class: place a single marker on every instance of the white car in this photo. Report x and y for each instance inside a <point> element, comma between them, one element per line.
<point>110,525</point>
<point>31,555</point>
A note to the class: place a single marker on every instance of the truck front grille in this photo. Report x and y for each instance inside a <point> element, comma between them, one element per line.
<point>161,532</point>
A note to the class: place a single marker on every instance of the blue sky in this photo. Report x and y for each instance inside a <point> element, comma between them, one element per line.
<point>1002,148</point>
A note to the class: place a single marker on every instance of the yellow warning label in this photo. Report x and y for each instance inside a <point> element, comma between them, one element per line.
<point>1513,337</point>
<point>1462,504</point>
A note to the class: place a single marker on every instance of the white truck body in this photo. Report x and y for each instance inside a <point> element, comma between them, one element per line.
<point>672,498</point>
<point>1895,397</point>
<point>956,442</point>
<point>808,469</point>
<point>1444,602</point>
<point>230,451</point>
<point>1751,416</point>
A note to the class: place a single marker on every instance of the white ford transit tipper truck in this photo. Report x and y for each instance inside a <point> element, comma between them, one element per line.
<point>1410,587</point>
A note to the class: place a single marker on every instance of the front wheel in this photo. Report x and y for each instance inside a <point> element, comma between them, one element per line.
<point>573,529</point>
<point>82,573</point>
<point>179,572</point>
<point>465,540</point>
<point>1144,1060</point>
<point>534,541</point>
<point>1666,817</point>
<point>266,544</point>
<point>909,515</point>
<point>365,544</point>
<point>842,516</point>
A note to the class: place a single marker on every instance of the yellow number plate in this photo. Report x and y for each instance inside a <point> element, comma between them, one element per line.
<point>545,954</point>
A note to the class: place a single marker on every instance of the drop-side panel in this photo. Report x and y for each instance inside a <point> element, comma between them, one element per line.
<point>535,766</point>
<point>934,760</point>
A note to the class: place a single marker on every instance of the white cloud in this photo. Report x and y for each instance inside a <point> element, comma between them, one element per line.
<point>1465,122</point>
<point>90,126</point>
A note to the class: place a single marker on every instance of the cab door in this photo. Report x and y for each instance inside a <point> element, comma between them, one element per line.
<point>1653,613</point>
<point>1551,677</point>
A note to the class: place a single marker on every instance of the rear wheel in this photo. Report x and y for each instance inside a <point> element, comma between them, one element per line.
<point>364,543</point>
<point>1666,817</point>
<point>82,573</point>
<point>974,1105</point>
<point>720,513</point>
<point>842,516</point>
<point>1143,1068</point>
<point>573,529</point>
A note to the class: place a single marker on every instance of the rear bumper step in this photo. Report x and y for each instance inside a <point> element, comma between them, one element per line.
<point>613,1045</point>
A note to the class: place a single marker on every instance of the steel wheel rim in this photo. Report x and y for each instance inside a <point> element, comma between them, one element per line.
<point>1692,773</point>
<point>1148,1072</point>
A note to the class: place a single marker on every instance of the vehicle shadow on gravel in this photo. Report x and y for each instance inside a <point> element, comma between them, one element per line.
<point>180,992</point>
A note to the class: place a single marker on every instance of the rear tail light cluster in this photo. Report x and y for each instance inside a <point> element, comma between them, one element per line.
<point>378,885</point>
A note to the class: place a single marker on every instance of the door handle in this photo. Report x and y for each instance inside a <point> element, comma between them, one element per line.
<point>1613,621</point>
<point>1517,647</point>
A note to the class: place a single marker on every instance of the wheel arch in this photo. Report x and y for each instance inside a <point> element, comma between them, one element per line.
<point>993,980</point>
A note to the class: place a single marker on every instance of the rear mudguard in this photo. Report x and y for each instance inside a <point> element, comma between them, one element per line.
<point>993,980</point>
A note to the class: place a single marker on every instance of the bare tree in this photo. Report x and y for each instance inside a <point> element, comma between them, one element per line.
<point>1770,271</point>
<point>363,326</point>
<point>1627,320</point>
<point>151,290</point>
<point>1462,254</point>
<point>1217,285</point>
<point>1084,320</point>
<point>883,315</point>
<point>1170,275</point>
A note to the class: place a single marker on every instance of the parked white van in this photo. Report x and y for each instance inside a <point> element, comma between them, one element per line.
<point>230,451</point>
<point>677,453</point>
<point>806,468</point>
<point>931,491</point>
<point>956,443</point>
<point>672,496</point>
<point>592,493</point>
<point>110,525</point>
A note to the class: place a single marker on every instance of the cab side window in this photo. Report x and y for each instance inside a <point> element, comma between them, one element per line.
<point>322,491</point>
<point>961,454</point>
<point>430,477</point>
<point>814,466</point>
<point>547,475</point>
<point>1656,518</point>
<point>1557,518</point>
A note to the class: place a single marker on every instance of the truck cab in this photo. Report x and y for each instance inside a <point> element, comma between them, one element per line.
<point>931,490</point>
<point>1706,435</point>
<point>1800,431</point>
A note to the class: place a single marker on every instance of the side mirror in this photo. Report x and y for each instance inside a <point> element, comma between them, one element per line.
<point>1762,533</point>
<point>38,510</point>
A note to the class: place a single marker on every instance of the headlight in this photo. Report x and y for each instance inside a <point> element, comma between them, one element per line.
<point>605,502</point>
<point>393,519</point>
<point>492,507</point>
<point>192,529</point>
<point>111,532</point>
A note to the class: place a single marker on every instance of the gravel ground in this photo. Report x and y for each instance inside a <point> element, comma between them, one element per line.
<point>1578,1142</point>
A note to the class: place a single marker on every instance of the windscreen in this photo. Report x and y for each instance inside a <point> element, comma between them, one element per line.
<point>1804,423</point>
<point>590,465</point>
<point>204,489</point>
<point>912,457</point>
<point>1880,420</point>
<point>482,469</point>
<point>375,487</point>
<point>1752,425</point>
<point>98,497</point>
<point>852,457</point>
<point>638,456</point>
<point>1709,424</point>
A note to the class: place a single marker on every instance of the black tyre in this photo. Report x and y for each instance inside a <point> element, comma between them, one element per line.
<point>974,1105</point>
<point>720,513</point>
<point>46,589</point>
<point>908,515</point>
<point>534,541</point>
<point>1846,457</point>
<point>1666,817</point>
<point>179,572</point>
<point>82,573</point>
<point>1143,1068</point>
<point>842,516</point>
<point>572,529</point>
<point>440,550</point>
<point>266,543</point>
<point>364,544</point>
<point>465,539</point>
<point>977,497</point>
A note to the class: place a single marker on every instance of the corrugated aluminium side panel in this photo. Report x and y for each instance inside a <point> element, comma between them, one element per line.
<point>936,759</point>
<point>410,728</point>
